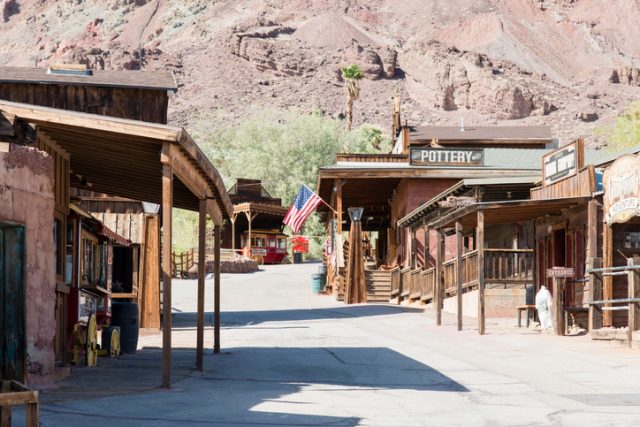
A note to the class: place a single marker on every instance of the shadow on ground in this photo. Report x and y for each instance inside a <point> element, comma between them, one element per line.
<point>230,319</point>
<point>254,386</point>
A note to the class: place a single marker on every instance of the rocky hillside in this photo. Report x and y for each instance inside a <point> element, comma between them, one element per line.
<point>571,64</point>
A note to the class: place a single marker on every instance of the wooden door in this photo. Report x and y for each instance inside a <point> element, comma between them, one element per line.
<point>12,303</point>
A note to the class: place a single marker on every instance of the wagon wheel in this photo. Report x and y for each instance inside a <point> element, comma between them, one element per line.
<point>286,260</point>
<point>258,259</point>
<point>114,348</point>
<point>91,341</point>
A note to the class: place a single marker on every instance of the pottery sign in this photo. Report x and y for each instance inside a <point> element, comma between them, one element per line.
<point>621,185</point>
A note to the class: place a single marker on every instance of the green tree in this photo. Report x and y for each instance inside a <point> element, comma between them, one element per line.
<point>352,76</point>
<point>284,149</point>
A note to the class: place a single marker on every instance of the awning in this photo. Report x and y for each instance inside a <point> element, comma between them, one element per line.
<point>507,212</point>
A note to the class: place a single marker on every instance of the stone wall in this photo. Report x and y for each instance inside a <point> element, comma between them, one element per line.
<point>26,197</point>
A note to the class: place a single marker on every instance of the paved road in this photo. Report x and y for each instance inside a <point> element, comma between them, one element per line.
<point>292,358</point>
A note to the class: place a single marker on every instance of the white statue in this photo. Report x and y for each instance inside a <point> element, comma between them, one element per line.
<point>543,305</point>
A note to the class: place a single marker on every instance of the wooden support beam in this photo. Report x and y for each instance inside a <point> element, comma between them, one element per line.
<point>167,203</point>
<point>633,312</point>
<point>459,270</point>
<point>186,172</point>
<point>480,246</point>
<point>558,304</point>
<point>214,212</point>
<point>216,287</point>
<point>595,284</point>
<point>150,287</point>
<point>438,287</point>
<point>607,255</point>
<point>338,185</point>
<point>202,234</point>
<point>233,231</point>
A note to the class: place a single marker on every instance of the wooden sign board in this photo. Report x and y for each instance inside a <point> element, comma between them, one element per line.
<point>563,162</point>
<point>621,186</point>
<point>429,156</point>
<point>561,272</point>
<point>456,202</point>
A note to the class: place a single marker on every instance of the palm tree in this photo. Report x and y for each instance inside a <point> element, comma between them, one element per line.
<point>351,75</point>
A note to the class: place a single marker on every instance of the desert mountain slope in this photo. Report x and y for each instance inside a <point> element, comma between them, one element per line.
<point>571,64</point>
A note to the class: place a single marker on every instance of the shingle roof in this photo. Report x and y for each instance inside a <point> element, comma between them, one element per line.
<point>505,133</point>
<point>153,80</point>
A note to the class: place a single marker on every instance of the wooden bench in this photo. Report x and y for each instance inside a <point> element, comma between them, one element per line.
<point>14,393</point>
<point>527,308</point>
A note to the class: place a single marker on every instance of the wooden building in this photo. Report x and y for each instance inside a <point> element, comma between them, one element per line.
<point>256,224</point>
<point>391,186</point>
<point>131,159</point>
<point>136,95</point>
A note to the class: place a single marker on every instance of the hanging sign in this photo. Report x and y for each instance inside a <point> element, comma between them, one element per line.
<point>457,202</point>
<point>429,156</point>
<point>563,162</point>
<point>621,186</point>
<point>561,272</point>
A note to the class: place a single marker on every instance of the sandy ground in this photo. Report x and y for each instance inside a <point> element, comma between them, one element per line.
<point>292,358</point>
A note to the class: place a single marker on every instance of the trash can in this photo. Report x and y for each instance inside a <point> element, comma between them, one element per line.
<point>317,283</point>
<point>297,257</point>
<point>125,315</point>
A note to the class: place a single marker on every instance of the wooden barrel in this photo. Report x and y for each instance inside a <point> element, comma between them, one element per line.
<point>125,315</point>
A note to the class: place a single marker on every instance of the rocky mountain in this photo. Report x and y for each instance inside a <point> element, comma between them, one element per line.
<point>570,64</point>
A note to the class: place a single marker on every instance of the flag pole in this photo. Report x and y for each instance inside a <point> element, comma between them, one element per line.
<point>322,200</point>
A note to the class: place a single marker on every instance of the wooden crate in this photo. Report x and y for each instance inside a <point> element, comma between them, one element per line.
<point>14,393</point>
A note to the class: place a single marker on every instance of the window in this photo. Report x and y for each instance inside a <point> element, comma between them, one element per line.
<point>272,242</point>
<point>68,271</point>
<point>89,267</point>
<point>282,242</point>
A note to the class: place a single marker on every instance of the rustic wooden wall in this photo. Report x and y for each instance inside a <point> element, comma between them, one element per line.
<point>130,103</point>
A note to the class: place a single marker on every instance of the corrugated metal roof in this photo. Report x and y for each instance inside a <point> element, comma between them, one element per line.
<point>154,80</point>
<point>604,155</point>
<point>501,180</point>
<point>505,133</point>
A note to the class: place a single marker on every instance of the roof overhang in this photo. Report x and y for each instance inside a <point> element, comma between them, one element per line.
<point>507,211</point>
<point>125,158</point>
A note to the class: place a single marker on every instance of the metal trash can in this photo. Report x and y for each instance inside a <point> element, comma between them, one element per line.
<point>317,283</point>
<point>297,258</point>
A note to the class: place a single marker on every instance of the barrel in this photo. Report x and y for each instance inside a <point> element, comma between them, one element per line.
<point>317,283</point>
<point>125,315</point>
<point>297,257</point>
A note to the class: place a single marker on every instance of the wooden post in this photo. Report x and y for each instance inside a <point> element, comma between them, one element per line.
<point>33,415</point>
<point>339,279</point>
<point>633,313</point>
<point>607,254</point>
<point>595,294</point>
<point>438,298</point>
<point>480,246</point>
<point>216,289</point>
<point>202,234</point>
<point>167,203</point>
<point>427,253</point>
<point>5,411</point>
<point>233,232</point>
<point>558,305</point>
<point>592,253</point>
<point>459,269</point>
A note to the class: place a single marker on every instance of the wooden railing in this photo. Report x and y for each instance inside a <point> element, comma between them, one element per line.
<point>508,265</point>
<point>414,287</point>
<point>182,262</point>
<point>427,284</point>
<point>395,282</point>
<point>405,282</point>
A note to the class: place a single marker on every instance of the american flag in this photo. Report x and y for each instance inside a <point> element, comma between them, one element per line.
<point>302,206</point>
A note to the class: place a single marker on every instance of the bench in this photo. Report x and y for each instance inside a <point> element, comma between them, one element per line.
<point>14,393</point>
<point>527,308</point>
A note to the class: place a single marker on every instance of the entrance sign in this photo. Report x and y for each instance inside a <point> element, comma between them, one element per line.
<point>621,184</point>
<point>561,272</point>
<point>563,162</point>
<point>429,156</point>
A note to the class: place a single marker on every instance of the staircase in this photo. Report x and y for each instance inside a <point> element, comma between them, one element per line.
<point>378,285</point>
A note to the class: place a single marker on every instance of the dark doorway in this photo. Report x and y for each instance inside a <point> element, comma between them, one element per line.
<point>12,303</point>
<point>122,279</point>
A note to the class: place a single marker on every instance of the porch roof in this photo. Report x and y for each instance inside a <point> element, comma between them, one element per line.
<point>125,158</point>
<point>263,208</point>
<point>506,211</point>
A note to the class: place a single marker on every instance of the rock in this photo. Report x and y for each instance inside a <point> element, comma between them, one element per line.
<point>10,8</point>
<point>588,117</point>
<point>629,76</point>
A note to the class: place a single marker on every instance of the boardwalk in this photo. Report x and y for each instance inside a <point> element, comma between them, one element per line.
<point>291,358</point>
